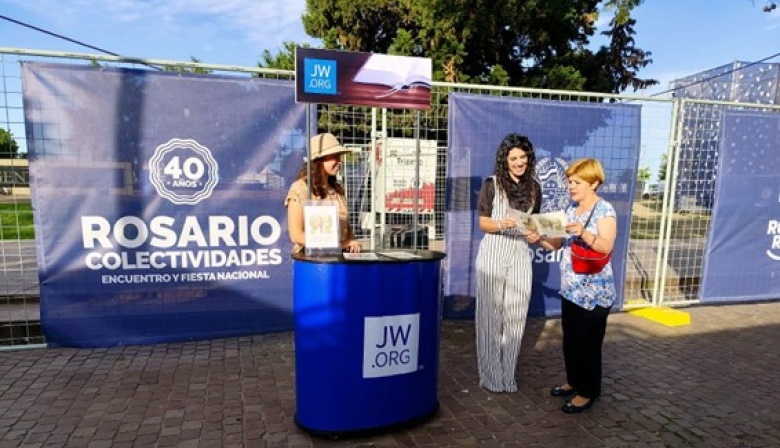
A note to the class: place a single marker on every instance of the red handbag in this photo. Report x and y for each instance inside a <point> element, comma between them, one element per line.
<point>585,260</point>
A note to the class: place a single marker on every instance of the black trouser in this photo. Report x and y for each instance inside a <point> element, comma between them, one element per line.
<point>583,336</point>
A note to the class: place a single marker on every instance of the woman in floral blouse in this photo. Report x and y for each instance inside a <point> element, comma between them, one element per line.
<point>587,298</point>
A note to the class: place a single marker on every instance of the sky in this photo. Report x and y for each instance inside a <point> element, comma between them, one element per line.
<point>684,36</point>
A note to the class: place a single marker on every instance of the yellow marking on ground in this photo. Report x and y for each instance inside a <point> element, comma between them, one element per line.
<point>665,316</point>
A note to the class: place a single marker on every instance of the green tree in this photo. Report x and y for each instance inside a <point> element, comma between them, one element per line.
<point>662,168</point>
<point>526,43</point>
<point>9,149</point>
<point>284,59</point>
<point>183,69</point>
<point>643,174</point>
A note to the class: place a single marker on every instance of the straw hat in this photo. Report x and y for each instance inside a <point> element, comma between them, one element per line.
<point>324,145</point>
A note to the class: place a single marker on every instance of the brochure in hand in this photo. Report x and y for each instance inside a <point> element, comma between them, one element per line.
<point>551,224</point>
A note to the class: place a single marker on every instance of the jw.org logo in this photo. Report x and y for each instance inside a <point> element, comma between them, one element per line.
<point>551,174</point>
<point>391,345</point>
<point>320,76</point>
<point>183,171</point>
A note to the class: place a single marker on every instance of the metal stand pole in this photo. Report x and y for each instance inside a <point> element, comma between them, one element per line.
<point>416,212</point>
<point>308,148</point>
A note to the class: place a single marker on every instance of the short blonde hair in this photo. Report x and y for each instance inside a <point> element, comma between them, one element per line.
<point>589,170</point>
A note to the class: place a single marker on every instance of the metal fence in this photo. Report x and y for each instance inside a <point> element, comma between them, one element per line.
<point>669,222</point>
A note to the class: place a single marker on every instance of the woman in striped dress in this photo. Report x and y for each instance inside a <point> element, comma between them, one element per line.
<point>504,273</point>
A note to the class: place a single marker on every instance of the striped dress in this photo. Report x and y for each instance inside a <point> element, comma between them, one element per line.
<point>504,279</point>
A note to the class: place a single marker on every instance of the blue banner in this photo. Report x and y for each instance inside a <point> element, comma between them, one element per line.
<point>561,133</point>
<point>158,201</point>
<point>742,256</point>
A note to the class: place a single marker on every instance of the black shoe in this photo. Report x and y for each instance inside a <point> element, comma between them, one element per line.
<point>570,408</point>
<point>559,391</point>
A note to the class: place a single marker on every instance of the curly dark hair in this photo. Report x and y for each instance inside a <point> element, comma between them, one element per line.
<point>321,181</point>
<point>527,180</point>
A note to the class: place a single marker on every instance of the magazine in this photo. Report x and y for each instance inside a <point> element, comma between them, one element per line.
<point>321,227</point>
<point>551,224</point>
<point>400,255</point>
<point>360,256</point>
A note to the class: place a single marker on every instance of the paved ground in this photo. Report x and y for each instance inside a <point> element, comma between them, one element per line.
<point>712,384</point>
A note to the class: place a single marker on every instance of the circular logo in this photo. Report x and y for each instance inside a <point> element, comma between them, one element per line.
<point>183,171</point>
<point>551,174</point>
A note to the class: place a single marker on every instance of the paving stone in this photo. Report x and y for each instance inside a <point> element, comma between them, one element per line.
<point>701,386</point>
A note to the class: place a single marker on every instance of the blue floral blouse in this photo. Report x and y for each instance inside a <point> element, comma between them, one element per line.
<point>587,290</point>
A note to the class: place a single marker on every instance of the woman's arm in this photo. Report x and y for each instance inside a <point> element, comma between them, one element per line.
<point>485,210</point>
<point>607,232</point>
<point>351,245</point>
<point>295,222</point>
<point>490,225</point>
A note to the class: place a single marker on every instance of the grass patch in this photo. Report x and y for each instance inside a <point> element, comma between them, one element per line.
<point>16,221</point>
<point>646,223</point>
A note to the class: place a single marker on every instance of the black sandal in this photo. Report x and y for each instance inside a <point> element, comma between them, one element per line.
<point>559,391</point>
<point>570,408</point>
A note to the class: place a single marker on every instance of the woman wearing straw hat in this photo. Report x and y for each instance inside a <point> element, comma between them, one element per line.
<point>326,153</point>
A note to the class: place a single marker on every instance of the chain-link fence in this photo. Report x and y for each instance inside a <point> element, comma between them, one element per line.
<point>669,222</point>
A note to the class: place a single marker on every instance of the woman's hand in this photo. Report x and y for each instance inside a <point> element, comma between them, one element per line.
<point>533,237</point>
<point>352,246</point>
<point>506,223</point>
<point>575,228</point>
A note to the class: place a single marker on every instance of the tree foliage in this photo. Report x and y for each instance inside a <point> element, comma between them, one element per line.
<point>283,60</point>
<point>644,174</point>
<point>9,149</point>
<point>184,69</point>
<point>528,43</point>
<point>662,167</point>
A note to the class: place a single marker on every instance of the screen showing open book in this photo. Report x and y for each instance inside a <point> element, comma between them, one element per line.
<point>395,72</point>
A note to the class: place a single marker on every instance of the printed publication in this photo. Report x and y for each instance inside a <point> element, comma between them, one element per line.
<point>551,224</point>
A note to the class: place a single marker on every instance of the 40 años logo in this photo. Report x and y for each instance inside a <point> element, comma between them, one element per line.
<point>183,171</point>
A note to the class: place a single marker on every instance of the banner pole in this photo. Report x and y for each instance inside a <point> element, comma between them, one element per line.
<point>308,149</point>
<point>416,212</point>
<point>372,166</point>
